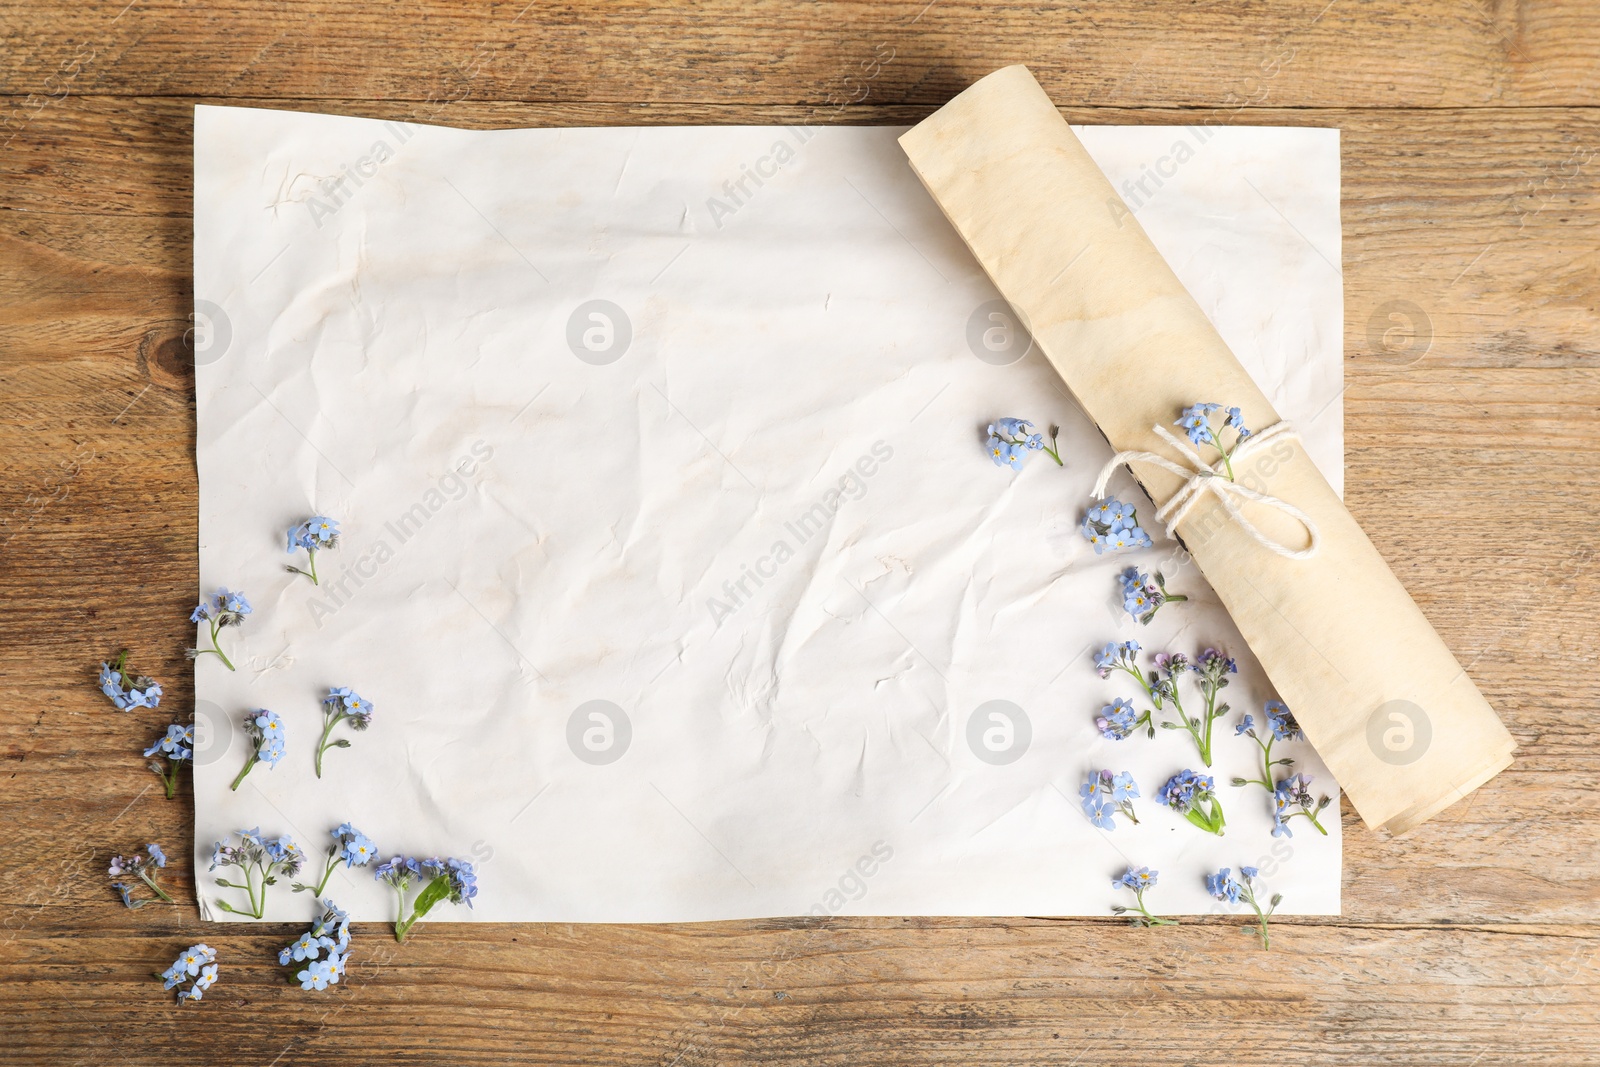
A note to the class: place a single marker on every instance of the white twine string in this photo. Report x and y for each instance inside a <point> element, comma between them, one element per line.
<point>1200,479</point>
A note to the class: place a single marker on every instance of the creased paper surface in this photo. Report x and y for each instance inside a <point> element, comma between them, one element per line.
<point>1385,703</point>
<point>673,563</point>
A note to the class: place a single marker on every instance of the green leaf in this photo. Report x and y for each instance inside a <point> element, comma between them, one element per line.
<point>437,890</point>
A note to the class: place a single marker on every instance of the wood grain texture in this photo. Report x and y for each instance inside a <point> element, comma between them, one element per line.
<point>1471,144</point>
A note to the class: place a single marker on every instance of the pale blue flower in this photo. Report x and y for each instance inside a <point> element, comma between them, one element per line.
<point>1223,887</point>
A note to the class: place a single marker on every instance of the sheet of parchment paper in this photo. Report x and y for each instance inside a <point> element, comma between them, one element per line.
<point>673,563</point>
<point>1380,696</point>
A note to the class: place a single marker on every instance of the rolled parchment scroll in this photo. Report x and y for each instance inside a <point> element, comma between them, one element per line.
<point>1386,705</point>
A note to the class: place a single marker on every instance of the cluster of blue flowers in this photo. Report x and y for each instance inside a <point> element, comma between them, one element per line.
<point>1196,422</point>
<point>1106,795</point>
<point>221,611</point>
<point>1230,890</point>
<point>342,705</point>
<point>199,963</point>
<point>142,866</point>
<point>1141,597</point>
<point>1120,719</point>
<point>1010,441</point>
<point>1291,797</point>
<point>316,534</point>
<point>1114,525</point>
<point>352,846</point>
<point>265,730</point>
<point>1194,797</point>
<point>177,745</point>
<point>323,949</point>
<point>125,690</point>
<point>438,880</point>
<point>261,860</point>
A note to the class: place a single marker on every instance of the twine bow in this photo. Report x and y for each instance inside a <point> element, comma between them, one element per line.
<point>1200,479</point>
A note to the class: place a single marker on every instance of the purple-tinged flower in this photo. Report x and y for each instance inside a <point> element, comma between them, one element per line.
<point>1117,720</point>
<point>1194,797</point>
<point>142,866</point>
<point>261,861</point>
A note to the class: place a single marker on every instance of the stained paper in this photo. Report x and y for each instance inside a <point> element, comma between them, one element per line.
<point>672,560</point>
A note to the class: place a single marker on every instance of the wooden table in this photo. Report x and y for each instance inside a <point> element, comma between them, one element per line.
<point>1471,246</point>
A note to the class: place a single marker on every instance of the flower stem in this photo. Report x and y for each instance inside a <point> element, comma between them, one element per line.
<point>251,762</point>
<point>311,554</point>
<point>327,728</point>
<point>333,861</point>
<point>1150,920</point>
<point>216,649</point>
<point>157,889</point>
<point>1053,453</point>
<point>171,777</point>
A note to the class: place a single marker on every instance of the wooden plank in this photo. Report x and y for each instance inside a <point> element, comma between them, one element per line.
<point>1470,210</point>
<point>1304,53</point>
<point>841,992</point>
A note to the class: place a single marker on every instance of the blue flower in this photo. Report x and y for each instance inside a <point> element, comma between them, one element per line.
<point>463,881</point>
<point>1010,440</point>
<point>1116,656</point>
<point>193,958</point>
<point>1137,879</point>
<point>1236,420</point>
<point>1123,787</point>
<point>285,854</point>
<point>1186,790</point>
<point>156,854</point>
<point>1100,815</point>
<point>127,896</point>
<point>306,947</point>
<point>355,847</point>
<point>233,603</point>
<point>1245,726</point>
<point>1282,721</point>
<point>318,975</point>
<point>1224,888</point>
<point>1249,873</point>
<point>225,609</point>
<point>175,744</point>
<point>1113,524</point>
<point>1117,720</point>
<point>1196,421</point>
<point>325,530</point>
<point>1004,453</point>
<point>126,691</point>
